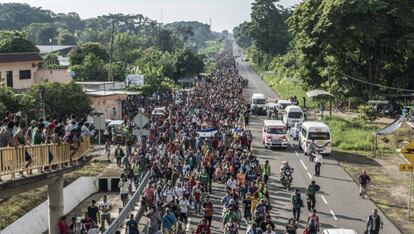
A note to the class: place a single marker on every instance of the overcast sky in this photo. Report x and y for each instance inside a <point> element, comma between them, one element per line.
<point>225,14</point>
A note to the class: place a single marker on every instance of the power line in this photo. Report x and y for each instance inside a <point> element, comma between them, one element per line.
<point>376,85</point>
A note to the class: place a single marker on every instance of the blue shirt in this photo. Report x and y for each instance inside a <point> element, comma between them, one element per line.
<point>168,220</point>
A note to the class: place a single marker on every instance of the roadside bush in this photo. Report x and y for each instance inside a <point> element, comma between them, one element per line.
<point>367,113</point>
<point>351,135</point>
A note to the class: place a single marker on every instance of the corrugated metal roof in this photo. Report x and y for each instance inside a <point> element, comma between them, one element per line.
<point>46,49</point>
<point>19,57</point>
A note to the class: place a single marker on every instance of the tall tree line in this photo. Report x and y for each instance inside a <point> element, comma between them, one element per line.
<point>326,40</point>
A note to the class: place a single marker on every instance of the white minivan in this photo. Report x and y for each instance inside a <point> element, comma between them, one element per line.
<point>316,132</point>
<point>274,134</point>
<point>258,103</point>
<point>292,115</point>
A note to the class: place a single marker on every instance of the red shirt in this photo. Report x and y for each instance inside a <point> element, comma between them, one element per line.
<point>203,228</point>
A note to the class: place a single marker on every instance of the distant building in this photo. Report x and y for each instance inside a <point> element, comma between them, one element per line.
<point>21,70</point>
<point>61,50</point>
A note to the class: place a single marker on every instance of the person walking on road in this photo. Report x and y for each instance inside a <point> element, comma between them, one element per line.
<point>297,203</point>
<point>203,227</point>
<point>208,210</point>
<point>318,163</point>
<point>132,225</point>
<point>313,188</point>
<point>291,227</point>
<point>168,221</point>
<point>312,224</point>
<point>363,181</point>
<point>119,154</point>
<point>105,207</point>
<point>374,223</point>
<point>266,171</point>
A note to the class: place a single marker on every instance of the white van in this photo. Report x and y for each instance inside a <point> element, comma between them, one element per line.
<point>316,132</point>
<point>282,104</point>
<point>292,115</point>
<point>274,134</point>
<point>258,103</point>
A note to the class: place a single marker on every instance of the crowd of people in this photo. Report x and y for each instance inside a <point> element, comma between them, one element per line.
<point>15,132</point>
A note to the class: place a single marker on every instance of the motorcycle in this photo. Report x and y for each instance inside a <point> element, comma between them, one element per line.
<point>287,178</point>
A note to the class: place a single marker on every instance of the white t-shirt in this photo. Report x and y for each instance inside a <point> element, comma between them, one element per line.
<point>179,191</point>
<point>104,206</point>
<point>232,183</point>
<point>169,193</point>
<point>123,186</point>
<point>184,206</point>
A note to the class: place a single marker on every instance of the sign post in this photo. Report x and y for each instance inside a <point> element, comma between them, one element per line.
<point>408,152</point>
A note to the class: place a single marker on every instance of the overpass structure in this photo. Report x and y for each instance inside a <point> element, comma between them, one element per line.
<point>63,158</point>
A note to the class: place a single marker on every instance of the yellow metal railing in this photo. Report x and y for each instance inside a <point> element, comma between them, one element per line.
<point>13,159</point>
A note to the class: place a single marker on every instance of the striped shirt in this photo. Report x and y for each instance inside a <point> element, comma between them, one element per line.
<point>6,137</point>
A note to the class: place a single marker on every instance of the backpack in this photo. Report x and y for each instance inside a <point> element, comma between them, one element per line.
<point>312,225</point>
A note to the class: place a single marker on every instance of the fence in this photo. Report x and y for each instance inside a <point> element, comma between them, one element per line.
<point>129,206</point>
<point>13,159</point>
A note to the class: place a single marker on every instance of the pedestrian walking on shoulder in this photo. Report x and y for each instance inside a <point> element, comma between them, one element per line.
<point>297,203</point>
<point>363,181</point>
<point>374,223</point>
<point>108,150</point>
<point>313,188</point>
<point>318,163</point>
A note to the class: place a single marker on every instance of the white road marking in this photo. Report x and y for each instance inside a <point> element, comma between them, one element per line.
<point>303,164</point>
<point>324,200</point>
<point>333,214</point>
<point>291,145</point>
<point>296,153</point>
<point>310,176</point>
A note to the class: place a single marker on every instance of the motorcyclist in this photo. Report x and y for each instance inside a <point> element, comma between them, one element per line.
<point>284,167</point>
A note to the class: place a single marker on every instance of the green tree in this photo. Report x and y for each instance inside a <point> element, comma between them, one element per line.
<point>166,41</point>
<point>70,21</point>
<point>188,64</point>
<point>50,61</point>
<point>10,101</point>
<point>14,41</point>
<point>42,33</point>
<point>61,100</point>
<point>371,40</point>
<point>16,16</point>
<point>66,38</point>
<point>92,68</point>
<point>119,71</point>
<point>241,35</point>
<point>268,27</point>
<point>80,52</point>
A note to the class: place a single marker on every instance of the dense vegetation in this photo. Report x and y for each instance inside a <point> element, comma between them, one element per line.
<point>319,42</point>
<point>139,45</point>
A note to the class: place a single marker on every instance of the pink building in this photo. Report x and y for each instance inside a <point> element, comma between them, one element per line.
<point>21,70</point>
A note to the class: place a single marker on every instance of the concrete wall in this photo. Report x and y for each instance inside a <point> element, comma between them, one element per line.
<point>15,68</point>
<point>36,221</point>
<point>105,105</point>
<point>53,75</point>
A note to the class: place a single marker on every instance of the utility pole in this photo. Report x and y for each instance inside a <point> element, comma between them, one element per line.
<point>211,21</point>
<point>110,78</point>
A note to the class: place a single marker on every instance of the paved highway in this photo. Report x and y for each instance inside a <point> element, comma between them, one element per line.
<point>338,202</point>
